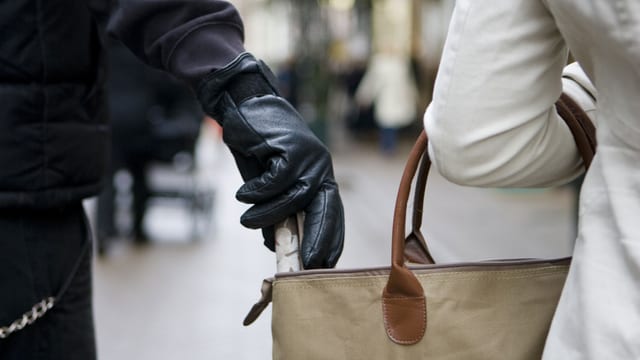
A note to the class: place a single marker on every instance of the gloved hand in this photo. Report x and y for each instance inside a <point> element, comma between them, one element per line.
<point>286,168</point>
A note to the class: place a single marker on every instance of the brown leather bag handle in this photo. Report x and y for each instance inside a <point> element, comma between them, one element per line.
<point>403,299</point>
<point>415,246</point>
<point>404,305</point>
<point>584,134</point>
<point>582,129</point>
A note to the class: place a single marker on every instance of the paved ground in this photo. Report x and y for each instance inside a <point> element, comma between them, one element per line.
<point>184,299</point>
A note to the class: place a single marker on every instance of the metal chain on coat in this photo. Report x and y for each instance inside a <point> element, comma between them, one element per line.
<point>37,311</point>
<point>40,309</point>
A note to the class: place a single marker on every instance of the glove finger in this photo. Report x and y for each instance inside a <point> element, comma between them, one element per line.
<point>275,180</point>
<point>279,208</point>
<point>268,234</point>
<point>249,166</point>
<point>323,237</point>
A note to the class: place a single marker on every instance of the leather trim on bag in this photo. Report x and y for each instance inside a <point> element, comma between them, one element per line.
<point>265,299</point>
<point>405,318</point>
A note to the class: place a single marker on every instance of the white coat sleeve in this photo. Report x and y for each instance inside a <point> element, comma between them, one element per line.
<point>492,121</point>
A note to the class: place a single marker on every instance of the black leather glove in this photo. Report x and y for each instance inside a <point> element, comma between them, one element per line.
<point>286,168</point>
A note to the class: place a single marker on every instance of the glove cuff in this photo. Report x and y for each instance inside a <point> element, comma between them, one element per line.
<point>243,78</point>
<point>248,85</point>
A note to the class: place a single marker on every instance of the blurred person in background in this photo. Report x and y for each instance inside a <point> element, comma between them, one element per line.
<point>389,86</point>
<point>493,123</point>
<point>288,81</point>
<point>359,117</point>
<point>54,141</point>
<point>153,118</point>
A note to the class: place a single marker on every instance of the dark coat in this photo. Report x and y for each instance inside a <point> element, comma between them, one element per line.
<point>53,131</point>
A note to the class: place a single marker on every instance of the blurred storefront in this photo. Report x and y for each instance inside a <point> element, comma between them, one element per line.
<point>319,48</point>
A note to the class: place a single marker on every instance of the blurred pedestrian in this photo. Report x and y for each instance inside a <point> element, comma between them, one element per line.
<point>54,142</point>
<point>493,123</point>
<point>389,86</point>
<point>152,118</point>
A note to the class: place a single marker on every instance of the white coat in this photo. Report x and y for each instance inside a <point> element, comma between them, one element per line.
<point>390,86</point>
<point>492,122</point>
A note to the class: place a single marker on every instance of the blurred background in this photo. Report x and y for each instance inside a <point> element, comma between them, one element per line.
<point>175,273</point>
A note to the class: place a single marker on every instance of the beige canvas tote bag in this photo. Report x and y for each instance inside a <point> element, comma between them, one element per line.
<point>464,311</point>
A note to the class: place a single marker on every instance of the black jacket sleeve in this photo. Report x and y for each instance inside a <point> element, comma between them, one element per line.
<point>188,38</point>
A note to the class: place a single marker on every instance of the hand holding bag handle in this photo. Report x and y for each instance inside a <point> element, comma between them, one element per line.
<point>403,299</point>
